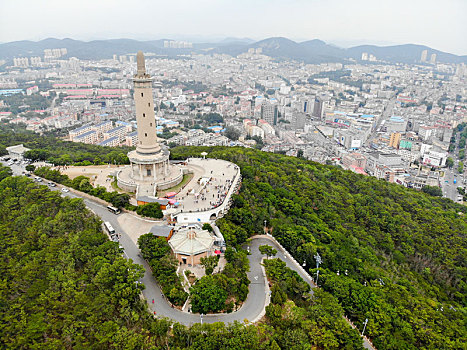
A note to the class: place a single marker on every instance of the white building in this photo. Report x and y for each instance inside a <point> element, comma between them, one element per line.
<point>119,132</point>
<point>131,139</point>
<point>435,158</point>
<point>89,137</point>
<point>111,142</point>
<point>103,127</point>
<point>73,134</point>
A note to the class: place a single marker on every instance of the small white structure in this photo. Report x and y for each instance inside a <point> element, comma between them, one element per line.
<point>17,151</point>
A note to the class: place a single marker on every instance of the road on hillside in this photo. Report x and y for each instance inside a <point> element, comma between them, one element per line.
<point>252,308</point>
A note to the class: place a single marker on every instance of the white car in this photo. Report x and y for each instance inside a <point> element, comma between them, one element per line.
<point>64,189</point>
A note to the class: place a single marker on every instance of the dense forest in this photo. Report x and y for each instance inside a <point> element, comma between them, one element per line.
<point>59,152</point>
<point>298,318</point>
<point>390,254</point>
<point>224,291</point>
<point>156,251</point>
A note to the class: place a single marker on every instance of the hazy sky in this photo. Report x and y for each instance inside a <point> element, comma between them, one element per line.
<point>439,24</point>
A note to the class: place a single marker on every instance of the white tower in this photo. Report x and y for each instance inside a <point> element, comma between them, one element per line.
<point>150,169</point>
<point>144,103</point>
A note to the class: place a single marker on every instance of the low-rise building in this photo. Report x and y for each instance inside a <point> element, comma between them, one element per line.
<point>119,132</point>
<point>73,134</point>
<point>354,160</point>
<point>192,243</point>
<point>17,151</point>
<point>435,158</point>
<point>111,142</point>
<point>89,137</point>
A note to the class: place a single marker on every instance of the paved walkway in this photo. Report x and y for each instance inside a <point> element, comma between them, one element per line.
<point>208,188</point>
<point>99,174</point>
<point>135,226</point>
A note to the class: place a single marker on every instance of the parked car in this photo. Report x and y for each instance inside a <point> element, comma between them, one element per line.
<point>66,190</point>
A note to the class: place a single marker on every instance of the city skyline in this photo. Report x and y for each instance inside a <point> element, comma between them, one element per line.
<point>417,22</point>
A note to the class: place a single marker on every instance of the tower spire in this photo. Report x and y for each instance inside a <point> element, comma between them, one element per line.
<point>141,66</point>
<point>144,103</point>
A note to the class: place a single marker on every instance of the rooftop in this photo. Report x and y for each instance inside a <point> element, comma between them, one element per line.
<point>191,240</point>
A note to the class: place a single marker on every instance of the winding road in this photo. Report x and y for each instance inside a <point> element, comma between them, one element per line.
<point>251,310</point>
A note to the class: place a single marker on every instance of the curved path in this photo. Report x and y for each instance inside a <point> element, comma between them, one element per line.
<point>251,310</point>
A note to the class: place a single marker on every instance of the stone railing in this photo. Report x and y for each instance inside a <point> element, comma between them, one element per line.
<point>170,183</point>
<point>126,185</point>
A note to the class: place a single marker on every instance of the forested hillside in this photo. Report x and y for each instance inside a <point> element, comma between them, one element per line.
<point>59,152</point>
<point>390,254</point>
<point>64,285</point>
<point>393,255</point>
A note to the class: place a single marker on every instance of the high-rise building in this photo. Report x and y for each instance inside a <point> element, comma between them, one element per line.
<point>269,112</point>
<point>424,56</point>
<point>318,108</point>
<point>433,59</point>
<point>299,119</point>
<point>395,139</point>
<point>36,61</point>
<point>21,62</point>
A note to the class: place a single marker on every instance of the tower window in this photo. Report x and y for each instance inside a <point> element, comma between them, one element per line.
<point>142,94</point>
<point>150,124</point>
<point>144,115</point>
<point>149,104</point>
<point>145,135</point>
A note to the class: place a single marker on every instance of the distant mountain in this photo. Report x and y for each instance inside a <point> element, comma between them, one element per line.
<point>236,40</point>
<point>282,48</point>
<point>312,51</point>
<point>96,49</point>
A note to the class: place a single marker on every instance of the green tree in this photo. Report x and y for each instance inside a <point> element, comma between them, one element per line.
<point>207,295</point>
<point>433,191</point>
<point>278,296</point>
<point>157,252</point>
<point>449,162</point>
<point>5,172</point>
<point>232,133</point>
<point>152,210</point>
<point>267,250</point>
<point>30,167</point>
<point>209,263</point>
<point>207,227</point>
